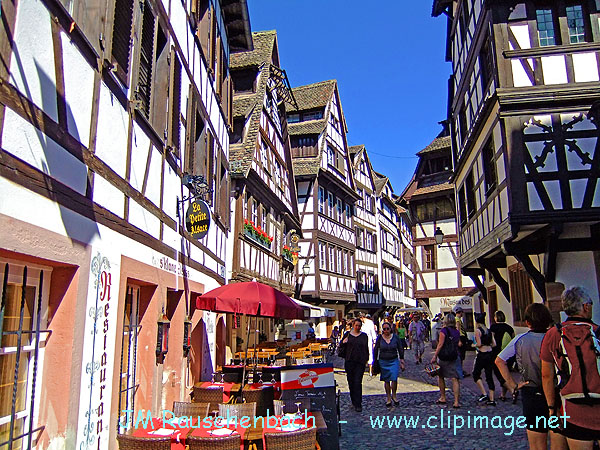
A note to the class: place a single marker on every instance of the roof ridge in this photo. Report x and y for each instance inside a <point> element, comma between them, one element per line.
<point>319,83</point>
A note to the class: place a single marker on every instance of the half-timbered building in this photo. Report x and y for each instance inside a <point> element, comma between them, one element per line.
<point>265,208</point>
<point>525,123</point>
<point>326,197</point>
<point>104,107</point>
<point>369,296</point>
<point>395,247</point>
<point>429,198</point>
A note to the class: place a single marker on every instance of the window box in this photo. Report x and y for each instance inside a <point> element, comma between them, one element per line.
<point>288,254</point>
<point>257,235</point>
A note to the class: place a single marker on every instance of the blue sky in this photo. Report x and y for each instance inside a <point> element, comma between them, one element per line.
<point>388,58</point>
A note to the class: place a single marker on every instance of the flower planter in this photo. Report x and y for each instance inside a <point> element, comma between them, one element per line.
<point>256,238</point>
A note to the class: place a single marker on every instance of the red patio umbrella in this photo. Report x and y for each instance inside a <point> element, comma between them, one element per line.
<point>251,298</point>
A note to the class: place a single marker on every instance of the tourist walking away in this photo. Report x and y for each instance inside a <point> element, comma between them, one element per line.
<point>503,333</point>
<point>401,329</point>
<point>355,351</point>
<point>464,338</point>
<point>484,361</point>
<point>571,350</point>
<point>435,331</point>
<point>526,349</point>
<point>425,321</point>
<point>369,329</point>
<point>446,354</point>
<point>416,335</point>
<point>389,352</point>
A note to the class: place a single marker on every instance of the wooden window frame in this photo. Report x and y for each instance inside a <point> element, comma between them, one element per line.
<point>521,292</point>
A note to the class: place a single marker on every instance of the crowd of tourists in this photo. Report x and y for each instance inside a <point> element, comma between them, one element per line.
<point>559,363</point>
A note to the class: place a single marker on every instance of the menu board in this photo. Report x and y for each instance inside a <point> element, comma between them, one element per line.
<point>316,383</point>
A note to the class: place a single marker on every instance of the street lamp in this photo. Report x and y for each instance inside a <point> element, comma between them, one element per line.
<point>306,268</point>
<point>439,236</point>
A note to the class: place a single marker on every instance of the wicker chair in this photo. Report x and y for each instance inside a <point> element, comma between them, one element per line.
<point>190,409</point>
<point>292,440</point>
<point>238,410</point>
<point>289,406</point>
<point>232,442</point>
<point>262,397</point>
<point>128,442</point>
<point>213,396</point>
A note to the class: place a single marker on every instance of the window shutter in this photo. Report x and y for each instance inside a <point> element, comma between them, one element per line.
<point>144,86</point>
<point>174,104</point>
<point>121,38</point>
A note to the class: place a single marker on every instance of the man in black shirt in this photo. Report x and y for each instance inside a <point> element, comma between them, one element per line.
<point>502,332</point>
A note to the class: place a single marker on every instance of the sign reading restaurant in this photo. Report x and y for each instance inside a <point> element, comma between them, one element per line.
<point>197,219</point>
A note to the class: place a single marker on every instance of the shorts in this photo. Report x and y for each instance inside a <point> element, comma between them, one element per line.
<point>534,405</point>
<point>419,347</point>
<point>576,432</point>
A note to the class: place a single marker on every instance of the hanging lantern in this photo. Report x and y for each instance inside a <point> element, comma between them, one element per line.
<point>187,336</point>
<point>162,338</point>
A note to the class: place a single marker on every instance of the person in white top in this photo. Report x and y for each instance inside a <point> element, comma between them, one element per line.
<point>369,328</point>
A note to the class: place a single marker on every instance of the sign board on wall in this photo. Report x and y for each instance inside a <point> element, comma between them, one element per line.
<point>438,304</point>
<point>316,383</point>
<point>197,219</point>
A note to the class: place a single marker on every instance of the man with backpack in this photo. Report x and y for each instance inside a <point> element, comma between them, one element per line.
<point>571,350</point>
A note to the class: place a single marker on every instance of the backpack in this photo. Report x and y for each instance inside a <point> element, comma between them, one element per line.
<point>505,340</point>
<point>449,351</point>
<point>342,347</point>
<point>578,362</point>
<point>486,336</point>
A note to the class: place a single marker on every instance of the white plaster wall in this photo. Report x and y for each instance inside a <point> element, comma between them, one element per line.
<point>24,141</point>
<point>108,196</point>
<point>153,185</point>
<point>444,258</point>
<point>448,226</point>
<point>140,147</point>
<point>586,67</point>
<point>143,219</point>
<point>555,69</point>
<point>429,279</point>
<point>447,279</point>
<point>578,269</point>
<point>520,78</point>
<point>32,62</point>
<point>171,192</point>
<point>111,139</point>
<point>79,90</point>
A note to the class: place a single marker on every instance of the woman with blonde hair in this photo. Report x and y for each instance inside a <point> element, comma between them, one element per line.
<point>446,355</point>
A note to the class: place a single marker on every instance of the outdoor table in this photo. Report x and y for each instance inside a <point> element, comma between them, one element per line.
<point>228,388</point>
<point>159,429</point>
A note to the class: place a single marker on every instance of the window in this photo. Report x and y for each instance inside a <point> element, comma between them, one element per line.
<point>462,205</point>
<point>293,118</point>
<point>436,165</point>
<point>486,63</point>
<point>144,81</point>
<point>321,200</point>
<point>489,166</point>
<point>340,210</point>
<point>345,260</point>
<point>331,155</point>
<point>339,254</point>
<point>313,115</point>
<point>369,241</point>
<point>254,212</point>
<point>127,380</point>
<point>348,215</point>
<point>121,38</point>
<point>359,237</point>
<point>545,27</point>
<point>462,123</point>
<point>334,122</point>
<point>200,153</point>
<point>332,258</point>
<point>360,281</point>
<point>278,177</point>
<point>520,292</point>
<point>330,203</point>
<point>441,208</point>
<point>429,257</point>
<point>576,24</point>
<point>264,154</point>
<point>22,387</point>
<point>264,223</point>
<point>322,256</point>
<point>244,80</point>
<point>470,191</point>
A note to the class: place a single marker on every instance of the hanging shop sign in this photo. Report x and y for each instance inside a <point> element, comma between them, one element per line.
<point>197,219</point>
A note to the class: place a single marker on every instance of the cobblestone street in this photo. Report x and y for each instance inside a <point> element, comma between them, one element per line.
<point>417,393</point>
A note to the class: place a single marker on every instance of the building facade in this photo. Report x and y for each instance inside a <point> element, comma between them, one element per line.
<point>369,296</point>
<point>525,126</point>
<point>264,203</point>
<point>105,108</point>
<point>429,198</point>
<point>326,198</point>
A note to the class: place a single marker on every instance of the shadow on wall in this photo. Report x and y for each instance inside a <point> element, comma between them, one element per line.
<point>61,167</point>
<point>200,360</point>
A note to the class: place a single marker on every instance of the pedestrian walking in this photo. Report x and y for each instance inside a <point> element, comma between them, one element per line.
<point>390,355</point>
<point>526,349</point>
<point>572,350</point>
<point>464,338</point>
<point>446,354</point>
<point>416,335</point>
<point>401,330</point>
<point>355,350</point>
<point>435,331</point>
<point>484,341</point>
<point>503,333</point>
<point>369,329</point>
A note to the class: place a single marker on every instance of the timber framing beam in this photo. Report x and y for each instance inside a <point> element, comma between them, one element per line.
<point>474,275</point>
<point>551,253</point>
<point>539,281</point>
<point>492,266</point>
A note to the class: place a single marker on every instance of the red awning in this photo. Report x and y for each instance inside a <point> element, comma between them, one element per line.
<point>251,298</point>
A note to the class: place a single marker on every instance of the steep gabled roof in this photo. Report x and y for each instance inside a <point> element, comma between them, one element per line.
<point>312,96</point>
<point>306,166</point>
<point>264,42</point>
<point>247,105</point>
<point>308,127</point>
<point>438,143</point>
<point>355,150</point>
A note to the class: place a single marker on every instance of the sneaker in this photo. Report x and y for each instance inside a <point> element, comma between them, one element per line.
<point>490,403</point>
<point>483,398</point>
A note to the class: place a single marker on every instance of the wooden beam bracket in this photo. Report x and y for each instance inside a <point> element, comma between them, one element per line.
<point>539,281</point>
<point>492,268</point>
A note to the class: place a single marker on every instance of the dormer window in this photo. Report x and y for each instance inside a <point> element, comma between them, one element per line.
<point>293,118</point>
<point>244,80</point>
<point>313,115</point>
<point>545,27</point>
